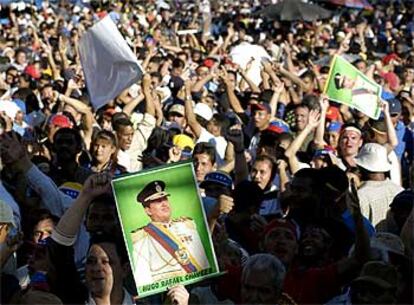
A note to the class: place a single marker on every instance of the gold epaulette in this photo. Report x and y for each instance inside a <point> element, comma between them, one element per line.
<point>137,234</point>
<point>187,221</point>
<point>182,219</point>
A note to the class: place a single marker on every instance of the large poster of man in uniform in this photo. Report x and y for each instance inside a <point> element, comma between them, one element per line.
<point>165,228</point>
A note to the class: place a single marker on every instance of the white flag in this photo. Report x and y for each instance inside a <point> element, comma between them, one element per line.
<point>109,65</point>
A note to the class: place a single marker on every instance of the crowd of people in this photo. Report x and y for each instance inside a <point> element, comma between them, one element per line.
<point>308,201</point>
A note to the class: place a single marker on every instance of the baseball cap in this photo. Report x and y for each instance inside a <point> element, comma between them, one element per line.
<point>334,126</point>
<point>395,106</point>
<point>183,141</point>
<point>261,106</point>
<point>20,104</point>
<point>175,84</point>
<point>377,272</point>
<point>9,108</point>
<point>333,114</point>
<point>6,214</point>
<point>278,126</point>
<point>282,223</point>
<point>217,177</point>
<point>209,63</point>
<point>321,153</point>
<point>60,120</point>
<point>32,71</point>
<point>177,108</point>
<point>388,242</point>
<point>204,111</point>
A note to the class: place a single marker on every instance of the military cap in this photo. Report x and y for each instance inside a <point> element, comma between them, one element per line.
<point>153,190</point>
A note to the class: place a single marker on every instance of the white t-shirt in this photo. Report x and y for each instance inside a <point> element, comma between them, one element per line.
<point>395,173</point>
<point>220,144</point>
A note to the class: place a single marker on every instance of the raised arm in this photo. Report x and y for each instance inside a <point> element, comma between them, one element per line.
<point>294,147</point>
<point>129,107</point>
<point>246,78</point>
<point>320,130</point>
<point>233,100</point>
<point>235,136</point>
<point>14,154</point>
<point>146,90</point>
<point>62,52</point>
<point>277,91</point>
<point>294,78</point>
<point>189,112</point>
<point>391,133</point>
<point>70,223</point>
<point>84,110</point>
<point>198,86</point>
<point>51,61</point>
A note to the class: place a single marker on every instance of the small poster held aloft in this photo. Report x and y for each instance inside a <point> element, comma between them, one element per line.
<point>165,228</point>
<point>347,85</point>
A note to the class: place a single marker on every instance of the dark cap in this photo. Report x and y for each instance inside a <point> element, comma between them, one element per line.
<point>395,106</point>
<point>217,177</point>
<point>152,191</point>
<point>379,273</point>
<point>404,199</point>
<point>261,106</point>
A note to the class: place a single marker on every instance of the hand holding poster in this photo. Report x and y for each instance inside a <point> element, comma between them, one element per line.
<point>108,63</point>
<point>347,85</point>
<point>165,228</point>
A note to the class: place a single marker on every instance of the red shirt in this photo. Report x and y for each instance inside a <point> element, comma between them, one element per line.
<point>314,285</point>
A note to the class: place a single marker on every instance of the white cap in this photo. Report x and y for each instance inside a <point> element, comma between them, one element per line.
<point>204,111</point>
<point>9,108</point>
<point>374,158</point>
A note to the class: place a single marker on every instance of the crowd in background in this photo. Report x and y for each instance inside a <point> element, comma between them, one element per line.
<point>308,201</point>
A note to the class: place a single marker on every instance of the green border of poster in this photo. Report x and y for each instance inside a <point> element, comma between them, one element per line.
<point>182,187</point>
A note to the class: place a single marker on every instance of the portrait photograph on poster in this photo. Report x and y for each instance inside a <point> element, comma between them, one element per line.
<point>165,228</point>
<point>347,85</point>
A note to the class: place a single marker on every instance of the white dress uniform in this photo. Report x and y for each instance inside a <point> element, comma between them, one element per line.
<point>176,250</point>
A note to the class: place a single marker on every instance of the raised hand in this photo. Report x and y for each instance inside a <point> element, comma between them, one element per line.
<point>313,119</point>
<point>11,149</point>
<point>279,87</point>
<point>226,204</point>
<point>385,106</point>
<point>235,136</point>
<point>97,185</point>
<point>174,154</point>
<point>324,103</point>
<point>178,295</point>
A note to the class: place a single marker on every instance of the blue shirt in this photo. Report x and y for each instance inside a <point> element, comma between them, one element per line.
<point>405,141</point>
<point>350,223</point>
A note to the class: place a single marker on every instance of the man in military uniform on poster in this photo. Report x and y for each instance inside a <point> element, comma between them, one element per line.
<point>165,247</point>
